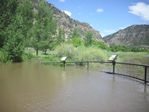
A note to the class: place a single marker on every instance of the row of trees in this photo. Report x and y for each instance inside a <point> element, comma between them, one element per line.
<point>89,40</point>
<point>28,23</point>
<point>77,40</point>
<point>25,23</point>
<point>122,48</point>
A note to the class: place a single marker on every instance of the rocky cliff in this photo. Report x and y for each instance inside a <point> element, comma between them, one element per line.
<point>135,35</point>
<point>69,24</point>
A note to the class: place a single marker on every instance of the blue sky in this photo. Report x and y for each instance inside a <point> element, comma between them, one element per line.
<point>106,16</point>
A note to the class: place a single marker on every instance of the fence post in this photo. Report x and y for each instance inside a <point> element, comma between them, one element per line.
<point>113,63</point>
<point>64,63</point>
<point>145,74</point>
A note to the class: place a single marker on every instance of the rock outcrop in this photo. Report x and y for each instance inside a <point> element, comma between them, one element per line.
<point>68,24</point>
<point>135,35</point>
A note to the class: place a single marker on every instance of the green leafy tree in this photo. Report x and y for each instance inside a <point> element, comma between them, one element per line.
<point>44,26</point>
<point>60,36</point>
<point>100,44</point>
<point>75,34</point>
<point>44,45</point>
<point>8,10</point>
<point>88,39</point>
<point>15,32</point>
<point>76,39</point>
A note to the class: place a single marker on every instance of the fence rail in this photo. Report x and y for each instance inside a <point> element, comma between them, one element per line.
<point>144,77</point>
<point>124,67</point>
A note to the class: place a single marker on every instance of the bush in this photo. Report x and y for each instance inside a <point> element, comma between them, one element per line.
<point>90,54</point>
<point>66,50</point>
<point>81,53</point>
<point>77,42</point>
<point>116,48</point>
<point>27,56</point>
<point>3,56</point>
<point>100,44</point>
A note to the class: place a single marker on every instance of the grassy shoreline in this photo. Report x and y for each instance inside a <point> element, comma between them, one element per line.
<point>89,54</point>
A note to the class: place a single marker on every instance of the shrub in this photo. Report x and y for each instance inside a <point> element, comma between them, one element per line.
<point>66,50</point>
<point>100,44</point>
<point>123,48</point>
<point>77,42</point>
<point>81,53</point>
<point>90,54</point>
<point>27,56</point>
<point>3,56</point>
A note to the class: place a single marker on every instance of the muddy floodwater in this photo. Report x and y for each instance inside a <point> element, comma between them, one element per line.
<point>34,87</point>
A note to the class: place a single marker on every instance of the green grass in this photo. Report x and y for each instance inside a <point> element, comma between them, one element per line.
<point>92,53</point>
<point>133,57</point>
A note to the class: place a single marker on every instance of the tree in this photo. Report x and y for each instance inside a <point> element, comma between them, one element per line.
<point>16,28</point>
<point>60,36</point>
<point>8,9</point>
<point>44,26</point>
<point>77,41</point>
<point>100,44</point>
<point>88,38</point>
<point>44,45</point>
<point>75,34</point>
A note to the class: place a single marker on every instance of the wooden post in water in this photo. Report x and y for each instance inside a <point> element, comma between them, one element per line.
<point>64,63</point>
<point>145,74</point>
<point>113,63</point>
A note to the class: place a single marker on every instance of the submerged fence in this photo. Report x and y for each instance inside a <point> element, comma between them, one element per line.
<point>136,71</point>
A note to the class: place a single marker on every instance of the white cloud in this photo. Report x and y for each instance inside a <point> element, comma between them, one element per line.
<point>67,12</point>
<point>62,0</point>
<point>140,9</point>
<point>99,10</point>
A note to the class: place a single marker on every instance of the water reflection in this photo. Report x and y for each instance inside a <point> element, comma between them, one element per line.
<point>31,87</point>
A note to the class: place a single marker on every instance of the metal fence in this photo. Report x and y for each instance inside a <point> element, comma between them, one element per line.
<point>137,71</point>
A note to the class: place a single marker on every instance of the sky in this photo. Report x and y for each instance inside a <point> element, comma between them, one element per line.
<point>106,16</point>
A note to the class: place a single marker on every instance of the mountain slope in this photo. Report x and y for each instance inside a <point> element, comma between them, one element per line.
<point>69,24</point>
<point>135,35</point>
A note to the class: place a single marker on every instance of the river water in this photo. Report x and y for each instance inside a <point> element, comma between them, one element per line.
<point>34,87</point>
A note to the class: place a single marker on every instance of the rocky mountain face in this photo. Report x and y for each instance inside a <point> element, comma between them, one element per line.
<point>135,35</point>
<point>68,24</point>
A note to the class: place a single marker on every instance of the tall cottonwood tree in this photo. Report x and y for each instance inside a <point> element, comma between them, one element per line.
<point>44,26</point>
<point>15,28</point>
<point>60,36</point>
<point>20,20</point>
<point>88,39</point>
<point>76,38</point>
<point>6,16</point>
